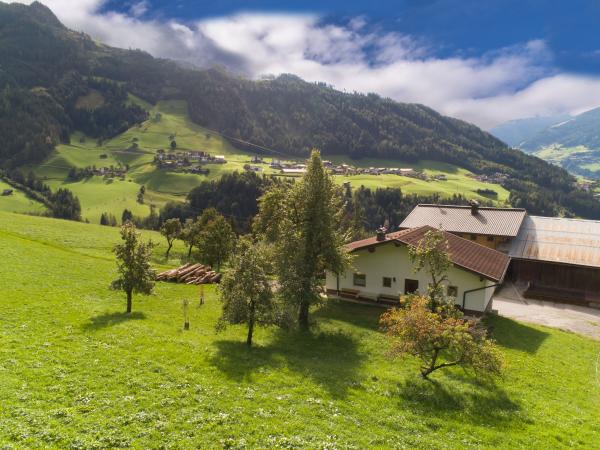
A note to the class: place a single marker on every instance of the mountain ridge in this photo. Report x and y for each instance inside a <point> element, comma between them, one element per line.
<point>285,112</point>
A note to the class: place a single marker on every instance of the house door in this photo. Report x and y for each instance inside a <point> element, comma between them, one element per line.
<point>410,286</point>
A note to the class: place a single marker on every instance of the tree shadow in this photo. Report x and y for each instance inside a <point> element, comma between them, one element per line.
<point>480,401</point>
<point>111,319</point>
<point>362,316</point>
<point>511,334</point>
<point>329,359</point>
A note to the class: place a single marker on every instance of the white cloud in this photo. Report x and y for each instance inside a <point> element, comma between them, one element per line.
<point>502,85</point>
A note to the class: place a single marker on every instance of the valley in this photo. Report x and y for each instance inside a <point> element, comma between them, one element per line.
<point>112,195</point>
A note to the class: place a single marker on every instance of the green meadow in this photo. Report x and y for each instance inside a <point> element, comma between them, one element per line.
<point>18,202</point>
<point>170,118</point>
<point>79,373</point>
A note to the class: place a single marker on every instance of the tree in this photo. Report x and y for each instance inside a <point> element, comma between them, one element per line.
<point>432,255</point>
<point>65,205</point>
<point>303,223</point>
<point>140,194</point>
<point>171,230</point>
<point>357,224</point>
<point>216,238</point>
<point>245,290</point>
<point>133,264</point>
<point>104,219</point>
<point>127,216</point>
<point>440,340</point>
<point>190,234</point>
<point>173,144</point>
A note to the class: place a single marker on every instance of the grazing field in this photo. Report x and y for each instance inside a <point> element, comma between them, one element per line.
<point>79,373</point>
<point>170,118</point>
<point>18,202</point>
<point>457,180</point>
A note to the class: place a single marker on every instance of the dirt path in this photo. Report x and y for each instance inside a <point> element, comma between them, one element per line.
<point>581,320</point>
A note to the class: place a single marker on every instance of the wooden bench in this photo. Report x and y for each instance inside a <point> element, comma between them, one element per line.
<point>350,293</point>
<point>388,299</point>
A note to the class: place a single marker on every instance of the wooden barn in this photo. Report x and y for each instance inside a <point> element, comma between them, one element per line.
<point>558,259</point>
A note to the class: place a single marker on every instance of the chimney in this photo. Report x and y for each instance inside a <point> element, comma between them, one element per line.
<point>474,207</point>
<point>381,231</point>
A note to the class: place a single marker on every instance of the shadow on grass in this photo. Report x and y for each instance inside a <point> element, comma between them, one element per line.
<point>363,316</point>
<point>329,359</point>
<point>511,334</point>
<point>478,401</point>
<point>111,319</point>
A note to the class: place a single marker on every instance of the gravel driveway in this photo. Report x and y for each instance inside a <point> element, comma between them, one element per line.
<point>579,319</point>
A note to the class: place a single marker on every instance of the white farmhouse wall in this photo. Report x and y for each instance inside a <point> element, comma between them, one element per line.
<point>392,260</point>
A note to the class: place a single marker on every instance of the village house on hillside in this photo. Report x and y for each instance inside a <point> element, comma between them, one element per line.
<point>382,270</point>
<point>487,226</point>
<point>552,258</point>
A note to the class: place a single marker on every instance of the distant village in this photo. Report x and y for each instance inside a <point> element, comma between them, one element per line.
<point>187,161</point>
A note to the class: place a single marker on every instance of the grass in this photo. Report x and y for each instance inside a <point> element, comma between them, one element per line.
<point>78,373</point>
<point>457,180</point>
<point>97,196</point>
<point>18,202</point>
<point>579,159</point>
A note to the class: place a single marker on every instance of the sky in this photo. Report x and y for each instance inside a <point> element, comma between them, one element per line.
<point>484,61</point>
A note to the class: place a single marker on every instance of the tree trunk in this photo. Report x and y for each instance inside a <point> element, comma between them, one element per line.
<point>303,315</point>
<point>169,249</point>
<point>250,331</point>
<point>190,251</point>
<point>250,324</point>
<point>129,301</point>
<point>427,370</point>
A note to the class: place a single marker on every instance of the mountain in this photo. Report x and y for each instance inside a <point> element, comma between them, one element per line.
<point>572,142</point>
<point>516,132</point>
<point>583,129</point>
<point>56,81</point>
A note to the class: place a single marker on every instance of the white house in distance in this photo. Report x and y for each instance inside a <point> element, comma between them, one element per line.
<point>382,270</point>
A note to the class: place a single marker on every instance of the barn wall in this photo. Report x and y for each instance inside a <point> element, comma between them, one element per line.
<point>556,275</point>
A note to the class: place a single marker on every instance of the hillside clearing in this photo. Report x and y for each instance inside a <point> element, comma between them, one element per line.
<point>79,373</point>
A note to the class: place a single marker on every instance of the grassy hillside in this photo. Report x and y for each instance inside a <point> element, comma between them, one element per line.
<point>579,160</point>
<point>98,195</point>
<point>18,202</point>
<point>78,373</point>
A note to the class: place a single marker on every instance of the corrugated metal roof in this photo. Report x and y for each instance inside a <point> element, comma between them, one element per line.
<point>555,239</point>
<point>466,254</point>
<point>458,219</point>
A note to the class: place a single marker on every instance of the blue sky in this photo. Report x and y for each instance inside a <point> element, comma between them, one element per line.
<point>484,61</point>
<point>452,27</point>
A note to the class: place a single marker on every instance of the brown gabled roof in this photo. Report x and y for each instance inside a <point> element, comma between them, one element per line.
<point>458,219</point>
<point>476,258</point>
<point>373,240</point>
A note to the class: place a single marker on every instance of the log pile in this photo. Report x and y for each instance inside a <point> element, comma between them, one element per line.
<point>190,274</point>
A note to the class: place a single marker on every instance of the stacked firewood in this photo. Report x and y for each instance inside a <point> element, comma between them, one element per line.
<point>190,274</point>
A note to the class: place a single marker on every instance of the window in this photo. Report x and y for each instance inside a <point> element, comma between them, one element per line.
<point>387,282</point>
<point>452,291</point>
<point>411,286</point>
<point>490,238</point>
<point>473,237</point>
<point>360,279</point>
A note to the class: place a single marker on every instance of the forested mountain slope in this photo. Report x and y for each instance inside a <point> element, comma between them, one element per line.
<point>72,83</point>
<point>583,129</point>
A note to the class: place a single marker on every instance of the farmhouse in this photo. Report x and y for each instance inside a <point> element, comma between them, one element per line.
<point>382,270</point>
<point>490,227</point>
<point>558,259</point>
